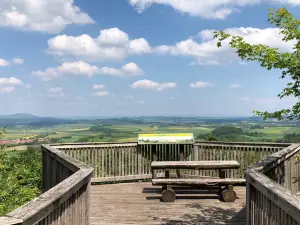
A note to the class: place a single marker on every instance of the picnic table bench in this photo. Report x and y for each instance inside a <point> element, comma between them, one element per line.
<point>225,185</point>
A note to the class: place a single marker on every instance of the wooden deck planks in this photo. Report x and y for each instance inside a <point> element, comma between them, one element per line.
<point>139,203</point>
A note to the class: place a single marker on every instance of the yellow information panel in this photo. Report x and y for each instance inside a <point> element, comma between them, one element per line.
<point>182,138</point>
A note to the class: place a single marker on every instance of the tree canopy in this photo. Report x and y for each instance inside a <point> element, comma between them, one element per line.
<point>272,58</point>
<point>20,176</point>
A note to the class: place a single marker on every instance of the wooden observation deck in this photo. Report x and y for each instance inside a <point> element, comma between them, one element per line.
<point>119,196</point>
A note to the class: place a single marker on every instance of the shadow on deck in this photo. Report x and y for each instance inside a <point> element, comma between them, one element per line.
<point>139,203</point>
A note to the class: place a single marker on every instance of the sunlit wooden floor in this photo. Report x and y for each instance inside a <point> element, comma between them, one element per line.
<point>139,203</point>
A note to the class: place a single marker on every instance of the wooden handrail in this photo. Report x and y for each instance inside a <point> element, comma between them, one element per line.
<point>69,186</point>
<point>196,143</point>
<point>268,194</point>
<point>243,143</point>
<point>128,161</point>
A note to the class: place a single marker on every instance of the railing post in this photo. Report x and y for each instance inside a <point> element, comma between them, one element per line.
<point>248,201</point>
<point>195,156</point>
<point>45,169</point>
<point>88,205</point>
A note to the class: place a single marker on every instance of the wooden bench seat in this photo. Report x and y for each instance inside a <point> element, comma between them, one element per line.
<point>198,182</point>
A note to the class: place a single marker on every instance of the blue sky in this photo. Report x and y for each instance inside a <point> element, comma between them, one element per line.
<point>135,57</point>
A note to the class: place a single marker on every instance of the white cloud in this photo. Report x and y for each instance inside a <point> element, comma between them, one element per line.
<point>18,61</point>
<point>235,85</point>
<point>110,71</point>
<point>217,9</point>
<point>164,86</point>
<point>77,68</point>
<point>132,68</point>
<point>145,84</point>
<point>4,63</point>
<point>50,16</point>
<point>7,85</point>
<point>148,84</point>
<point>10,81</point>
<point>55,92</point>
<point>98,86</point>
<point>206,52</point>
<point>114,44</point>
<point>81,68</point>
<point>46,75</point>
<point>139,46</point>
<point>14,61</point>
<point>113,36</point>
<point>6,90</point>
<point>101,93</point>
<point>201,84</point>
<point>111,44</point>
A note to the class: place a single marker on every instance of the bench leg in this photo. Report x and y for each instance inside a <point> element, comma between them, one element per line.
<point>168,195</point>
<point>222,175</point>
<point>167,174</point>
<point>228,195</point>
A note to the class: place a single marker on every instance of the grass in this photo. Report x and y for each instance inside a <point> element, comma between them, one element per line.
<point>128,133</point>
<point>128,139</point>
<point>11,153</point>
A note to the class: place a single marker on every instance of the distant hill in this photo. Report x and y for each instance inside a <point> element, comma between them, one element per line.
<point>30,120</point>
<point>19,116</point>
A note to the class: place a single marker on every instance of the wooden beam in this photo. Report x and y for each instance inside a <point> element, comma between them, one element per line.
<point>121,178</point>
<point>275,159</point>
<point>47,202</point>
<point>195,165</point>
<point>242,144</point>
<point>195,182</point>
<point>10,221</point>
<point>92,145</point>
<point>279,195</point>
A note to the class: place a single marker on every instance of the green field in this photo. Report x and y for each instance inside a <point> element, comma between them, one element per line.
<point>68,133</point>
<point>119,133</point>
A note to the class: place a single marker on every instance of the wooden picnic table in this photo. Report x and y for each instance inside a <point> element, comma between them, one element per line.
<point>168,194</point>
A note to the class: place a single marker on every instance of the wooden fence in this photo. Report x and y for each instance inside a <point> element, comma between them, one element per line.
<point>66,197</point>
<point>128,161</point>
<point>272,185</point>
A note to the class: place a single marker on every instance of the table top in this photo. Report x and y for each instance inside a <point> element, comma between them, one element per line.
<point>195,165</point>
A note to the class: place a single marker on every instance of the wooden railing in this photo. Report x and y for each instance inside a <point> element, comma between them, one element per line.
<point>128,161</point>
<point>272,185</point>
<point>66,197</point>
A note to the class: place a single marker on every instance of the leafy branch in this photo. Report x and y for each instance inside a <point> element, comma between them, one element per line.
<point>272,58</point>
